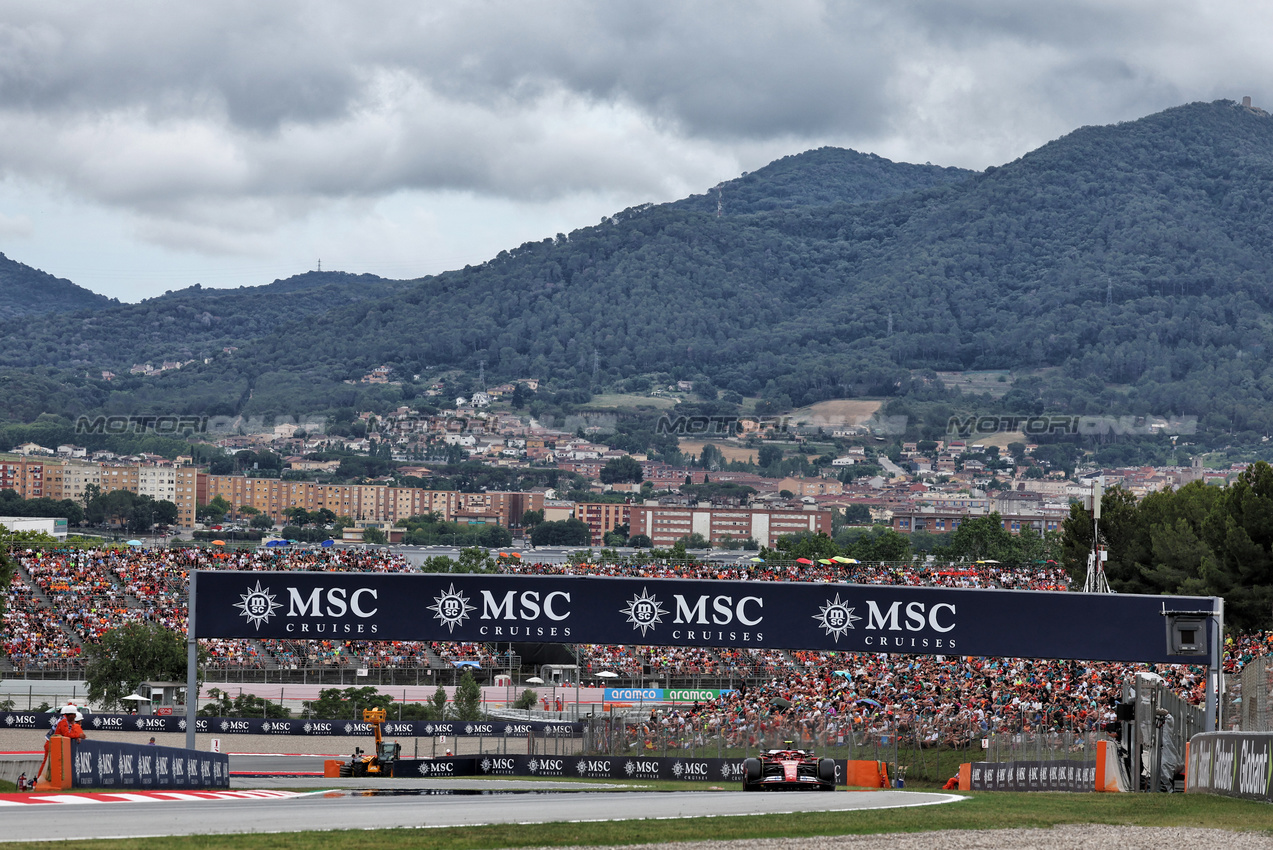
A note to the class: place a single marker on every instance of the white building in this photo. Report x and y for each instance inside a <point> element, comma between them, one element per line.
<point>157,482</point>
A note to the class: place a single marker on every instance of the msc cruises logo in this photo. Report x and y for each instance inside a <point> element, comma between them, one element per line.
<point>451,608</point>
<point>644,611</point>
<point>258,605</point>
<point>836,617</point>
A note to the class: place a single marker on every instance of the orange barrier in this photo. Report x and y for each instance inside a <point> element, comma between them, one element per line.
<point>866,774</point>
<point>331,767</point>
<point>58,776</point>
<point>1106,768</point>
<point>965,776</point>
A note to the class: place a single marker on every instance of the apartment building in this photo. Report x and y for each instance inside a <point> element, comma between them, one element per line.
<point>24,476</point>
<point>664,525</point>
<point>602,518</point>
<point>191,490</point>
<point>936,520</point>
<point>369,502</point>
<point>75,478</point>
<point>158,482</point>
<point>120,477</point>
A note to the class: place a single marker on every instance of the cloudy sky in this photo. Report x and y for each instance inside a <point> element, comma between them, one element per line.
<point>149,146</point>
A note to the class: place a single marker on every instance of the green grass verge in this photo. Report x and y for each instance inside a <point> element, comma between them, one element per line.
<point>980,811</point>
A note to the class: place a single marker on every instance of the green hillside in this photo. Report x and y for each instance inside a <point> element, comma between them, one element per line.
<point>1138,254</point>
<point>25,292</point>
<point>192,323</point>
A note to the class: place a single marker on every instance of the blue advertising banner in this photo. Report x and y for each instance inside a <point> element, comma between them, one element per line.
<point>319,728</point>
<point>687,612</point>
<point>587,767</point>
<point>106,764</point>
<point>1058,775</point>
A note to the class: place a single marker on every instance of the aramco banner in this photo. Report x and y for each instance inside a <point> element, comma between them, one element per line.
<point>686,612</point>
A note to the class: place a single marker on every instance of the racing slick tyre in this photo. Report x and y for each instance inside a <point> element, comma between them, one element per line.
<point>751,770</point>
<point>826,770</point>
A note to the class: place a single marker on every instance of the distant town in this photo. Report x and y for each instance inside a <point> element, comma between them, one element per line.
<point>930,486</point>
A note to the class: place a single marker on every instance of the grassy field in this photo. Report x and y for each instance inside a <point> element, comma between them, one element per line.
<point>627,401</point>
<point>980,811</point>
<point>836,412</point>
<point>994,383</point>
<point>730,451</point>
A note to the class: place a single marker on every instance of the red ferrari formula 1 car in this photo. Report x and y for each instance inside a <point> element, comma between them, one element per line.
<point>788,770</point>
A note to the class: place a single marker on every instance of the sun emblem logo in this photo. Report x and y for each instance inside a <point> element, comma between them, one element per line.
<point>258,605</point>
<point>451,608</point>
<point>644,612</point>
<point>836,617</point>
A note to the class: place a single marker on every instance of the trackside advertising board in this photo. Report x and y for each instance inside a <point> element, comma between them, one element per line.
<point>684,612</point>
<point>1235,764</point>
<point>300,726</point>
<point>106,764</point>
<point>587,767</point>
<point>663,694</point>
<point>1059,775</point>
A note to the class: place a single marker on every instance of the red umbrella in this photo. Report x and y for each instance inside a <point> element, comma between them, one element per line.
<point>804,561</point>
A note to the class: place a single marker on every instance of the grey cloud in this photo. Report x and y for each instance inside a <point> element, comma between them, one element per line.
<point>190,113</point>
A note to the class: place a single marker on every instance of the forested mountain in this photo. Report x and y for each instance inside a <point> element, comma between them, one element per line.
<point>25,291</point>
<point>191,323</point>
<point>819,178</point>
<point>1127,268</point>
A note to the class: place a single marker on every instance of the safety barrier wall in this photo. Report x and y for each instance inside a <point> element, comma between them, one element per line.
<point>611,767</point>
<point>1234,764</point>
<point>11,770</point>
<point>1055,775</point>
<point>106,764</point>
<point>320,728</point>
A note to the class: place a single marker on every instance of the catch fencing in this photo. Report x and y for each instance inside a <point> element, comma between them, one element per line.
<point>1254,708</point>
<point>911,744</point>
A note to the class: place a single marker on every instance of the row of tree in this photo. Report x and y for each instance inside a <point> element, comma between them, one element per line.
<point>137,513</point>
<point>146,651</point>
<point>981,538</point>
<point>1197,540</point>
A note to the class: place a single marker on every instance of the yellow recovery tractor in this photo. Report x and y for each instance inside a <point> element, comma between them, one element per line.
<point>379,763</point>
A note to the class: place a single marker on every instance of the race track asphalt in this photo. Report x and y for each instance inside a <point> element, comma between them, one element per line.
<point>352,810</point>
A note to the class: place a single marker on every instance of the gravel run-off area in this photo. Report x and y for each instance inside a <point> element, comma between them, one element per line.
<point>1065,837</point>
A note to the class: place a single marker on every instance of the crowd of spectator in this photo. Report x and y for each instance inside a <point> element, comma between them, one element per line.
<point>864,700</point>
<point>72,597</point>
<point>983,574</point>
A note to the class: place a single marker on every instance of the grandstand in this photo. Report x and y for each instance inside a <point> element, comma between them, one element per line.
<point>61,601</point>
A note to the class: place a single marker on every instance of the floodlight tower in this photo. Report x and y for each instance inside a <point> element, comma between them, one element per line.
<point>1095,581</point>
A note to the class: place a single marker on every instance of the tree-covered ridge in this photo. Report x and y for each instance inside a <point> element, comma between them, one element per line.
<point>818,178</point>
<point>1128,266</point>
<point>1135,255</point>
<point>192,323</point>
<point>25,292</point>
